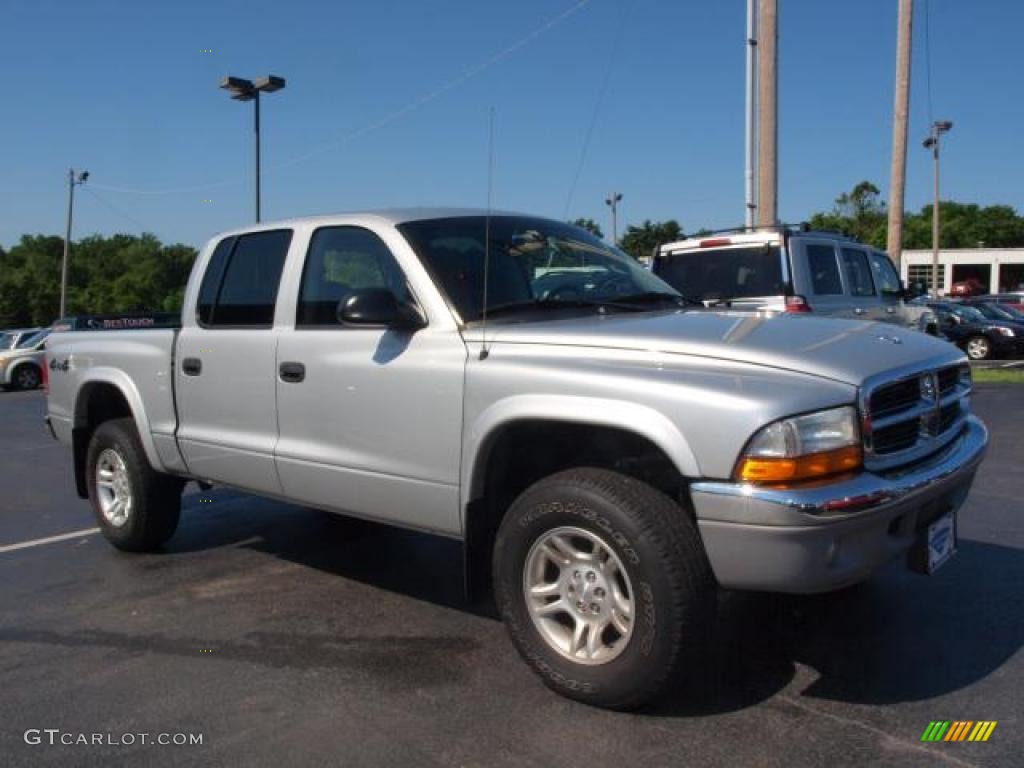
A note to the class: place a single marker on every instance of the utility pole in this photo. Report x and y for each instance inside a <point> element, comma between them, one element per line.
<point>612,201</point>
<point>767,113</point>
<point>73,180</point>
<point>938,128</point>
<point>749,141</point>
<point>901,109</point>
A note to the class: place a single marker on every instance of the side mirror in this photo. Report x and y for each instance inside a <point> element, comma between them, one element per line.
<point>379,307</point>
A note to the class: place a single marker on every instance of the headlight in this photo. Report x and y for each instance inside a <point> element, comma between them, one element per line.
<point>1005,331</point>
<point>802,448</point>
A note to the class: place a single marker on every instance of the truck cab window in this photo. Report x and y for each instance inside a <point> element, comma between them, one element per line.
<point>341,260</point>
<point>241,281</point>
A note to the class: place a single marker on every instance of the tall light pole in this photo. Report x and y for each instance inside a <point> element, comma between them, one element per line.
<point>73,179</point>
<point>612,201</point>
<point>249,90</point>
<point>938,128</point>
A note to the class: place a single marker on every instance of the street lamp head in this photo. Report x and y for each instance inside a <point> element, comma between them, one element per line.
<point>269,84</point>
<point>83,177</point>
<point>930,142</point>
<point>240,88</point>
<point>941,126</point>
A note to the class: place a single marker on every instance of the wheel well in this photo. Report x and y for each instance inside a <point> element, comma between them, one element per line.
<point>22,364</point>
<point>97,402</point>
<point>524,452</point>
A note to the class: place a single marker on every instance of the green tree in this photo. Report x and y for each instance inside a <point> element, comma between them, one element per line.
<point>640,242</point>
<point>588,224</point>
<point>106,274</point>
<point>861,213</point>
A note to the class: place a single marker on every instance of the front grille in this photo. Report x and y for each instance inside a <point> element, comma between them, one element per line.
<point>898,437</point>
<point>914,416</point>
<point>895,397</point>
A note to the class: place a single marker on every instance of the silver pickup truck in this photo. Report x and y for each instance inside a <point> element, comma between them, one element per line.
<point>608,454</point>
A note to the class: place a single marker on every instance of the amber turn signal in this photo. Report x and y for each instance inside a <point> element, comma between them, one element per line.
<point>763,470</point>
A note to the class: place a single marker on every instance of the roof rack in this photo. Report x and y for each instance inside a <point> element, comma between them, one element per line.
<point>798,227</point>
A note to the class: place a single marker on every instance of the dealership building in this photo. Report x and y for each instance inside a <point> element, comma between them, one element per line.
<point>998,269</point>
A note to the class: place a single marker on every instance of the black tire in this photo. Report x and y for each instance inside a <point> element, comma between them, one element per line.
<point>26,376</point>
<point>152,516</point>
<point>656,541</point>
<point>978,348</point>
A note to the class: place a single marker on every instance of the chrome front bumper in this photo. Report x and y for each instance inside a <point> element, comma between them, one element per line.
<point>816,539</point>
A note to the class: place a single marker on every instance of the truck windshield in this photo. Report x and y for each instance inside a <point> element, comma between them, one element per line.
<point>723,274</point>
<point>533,264</point>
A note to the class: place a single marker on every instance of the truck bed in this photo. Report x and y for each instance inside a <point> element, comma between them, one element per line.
<point>140,363</point>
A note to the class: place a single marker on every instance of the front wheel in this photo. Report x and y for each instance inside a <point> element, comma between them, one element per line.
<point>136,507</point>
<point>604,586</point>
<point>979,348</point>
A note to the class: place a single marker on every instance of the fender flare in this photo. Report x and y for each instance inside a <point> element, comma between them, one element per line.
<point>618,414</point>
<point>123,383</point>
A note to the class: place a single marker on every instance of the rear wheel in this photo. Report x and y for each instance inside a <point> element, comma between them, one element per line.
<point>136,507</point>
<point>604,586</point>
<point>26,376</point>
<point>979,348</point>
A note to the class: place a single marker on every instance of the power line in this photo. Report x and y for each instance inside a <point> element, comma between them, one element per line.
<point>412,106</point>
<point>616,46</point>
<point>115,210</point>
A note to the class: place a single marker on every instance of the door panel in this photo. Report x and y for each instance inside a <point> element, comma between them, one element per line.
<point>227,425</point>
<point>225,365</point>
<point>373,426</point>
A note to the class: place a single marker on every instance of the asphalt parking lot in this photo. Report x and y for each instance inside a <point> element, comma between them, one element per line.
<point>287,637</point>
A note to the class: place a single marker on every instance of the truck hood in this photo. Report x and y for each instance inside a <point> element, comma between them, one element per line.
<point>849,351</point>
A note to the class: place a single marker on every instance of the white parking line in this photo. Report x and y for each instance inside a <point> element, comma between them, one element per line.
<point>48,540</point>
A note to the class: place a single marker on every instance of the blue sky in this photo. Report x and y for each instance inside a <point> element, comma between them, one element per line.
<point>394,97</point>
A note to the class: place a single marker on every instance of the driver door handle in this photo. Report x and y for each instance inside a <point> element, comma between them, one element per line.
<point>293,373</point>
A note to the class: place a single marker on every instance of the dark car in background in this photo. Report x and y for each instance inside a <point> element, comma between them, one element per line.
<point>980,337</point>
<point>996,311</point>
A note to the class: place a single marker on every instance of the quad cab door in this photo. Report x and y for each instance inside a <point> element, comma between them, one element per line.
<point>370,417</point>
<point>225,380</point>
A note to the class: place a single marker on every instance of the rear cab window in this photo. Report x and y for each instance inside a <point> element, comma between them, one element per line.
<point>239,288</point>
<point>724,273</point>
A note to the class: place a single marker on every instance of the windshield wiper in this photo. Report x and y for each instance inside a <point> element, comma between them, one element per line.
<point>635,302</point>
<point>652,297</point>
<point>532,305</point>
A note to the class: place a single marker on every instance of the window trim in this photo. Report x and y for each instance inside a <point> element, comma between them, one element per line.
<point>224,271</point>
<point>413,298</point>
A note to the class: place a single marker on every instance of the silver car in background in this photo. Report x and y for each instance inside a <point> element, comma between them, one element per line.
<point>22,366</point>
<point>787,270</point>
<point>9,339</point>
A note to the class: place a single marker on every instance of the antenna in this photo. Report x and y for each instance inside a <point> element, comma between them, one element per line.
<point>484,352</point>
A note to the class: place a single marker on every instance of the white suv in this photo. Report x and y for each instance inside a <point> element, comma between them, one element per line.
<point>788,270</point>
